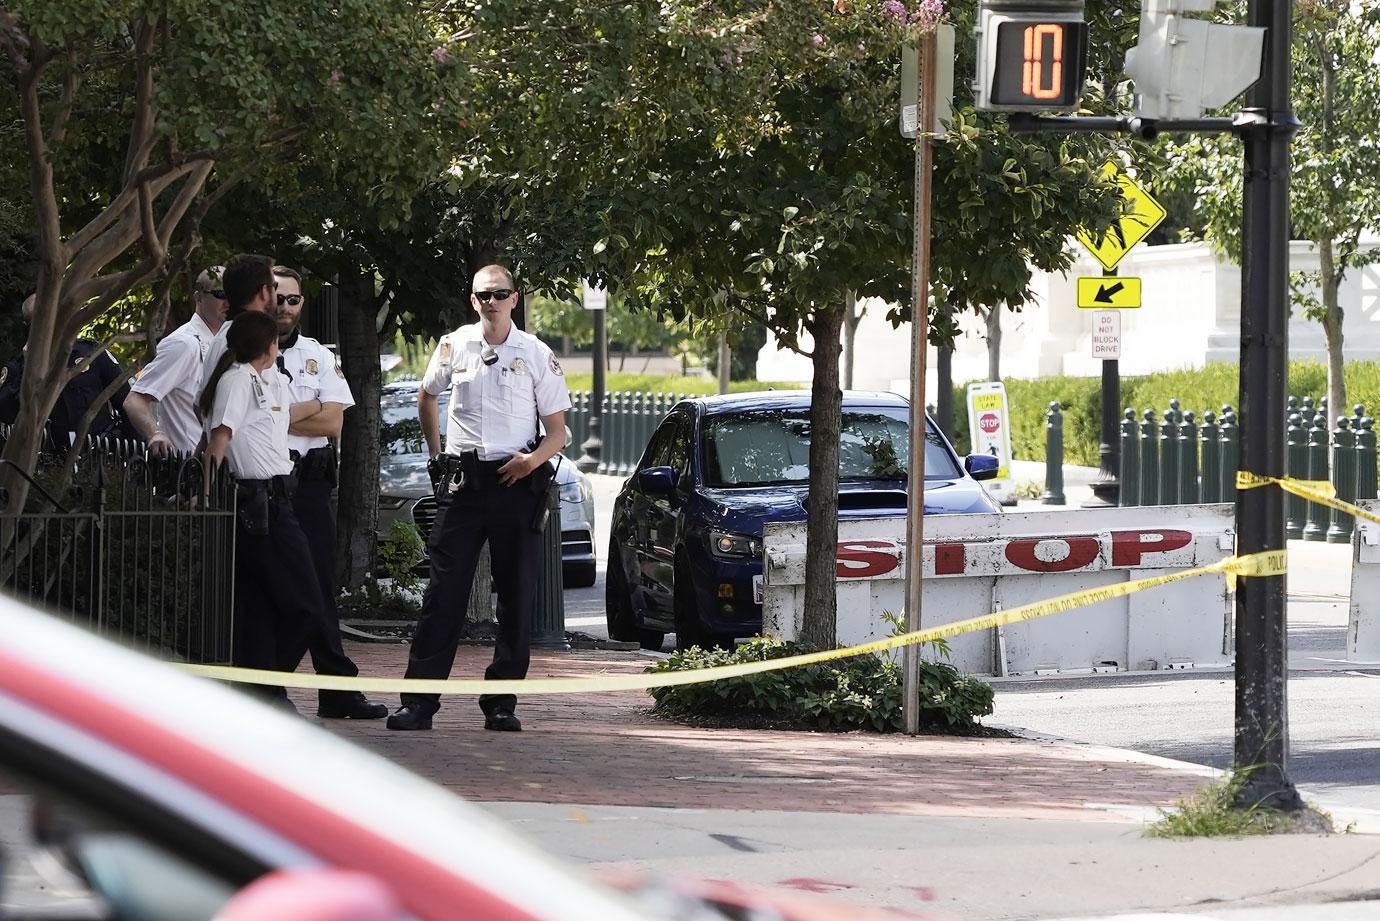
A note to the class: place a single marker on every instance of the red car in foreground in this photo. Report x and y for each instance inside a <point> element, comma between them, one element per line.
<point>172,798</point>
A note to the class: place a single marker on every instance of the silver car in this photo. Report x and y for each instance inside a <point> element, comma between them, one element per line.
<point>405,488</point>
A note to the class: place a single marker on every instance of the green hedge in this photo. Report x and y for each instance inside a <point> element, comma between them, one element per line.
<point>658,383</point>
<point>1207,388</point>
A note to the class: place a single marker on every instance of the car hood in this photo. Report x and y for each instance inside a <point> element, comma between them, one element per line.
<point>746,510</point>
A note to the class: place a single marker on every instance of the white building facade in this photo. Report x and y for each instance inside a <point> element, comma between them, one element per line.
<point>1191,316</point>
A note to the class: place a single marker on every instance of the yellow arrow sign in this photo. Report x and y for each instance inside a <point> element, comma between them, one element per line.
<point>1109,292</point>
<point>1141,215</point>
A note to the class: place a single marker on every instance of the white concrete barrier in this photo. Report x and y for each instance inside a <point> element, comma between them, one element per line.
<point>1363,627</point>
<point>975,564</point>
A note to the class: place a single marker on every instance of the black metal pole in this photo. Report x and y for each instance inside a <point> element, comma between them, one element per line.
<point>1106,488</point>
<point>1266,126</point>
<point>593,448</point>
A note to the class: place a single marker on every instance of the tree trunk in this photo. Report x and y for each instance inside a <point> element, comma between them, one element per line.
<point>1333,316</point>
<point>850,333</point>
<point>358,510</point>
<point>822,534</point>
<point>45,376</point>
<point>994,342</point>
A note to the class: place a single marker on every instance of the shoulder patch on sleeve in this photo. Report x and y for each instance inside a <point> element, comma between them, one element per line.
<point>556,367</point>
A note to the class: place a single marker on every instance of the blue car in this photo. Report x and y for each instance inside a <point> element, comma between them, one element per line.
<point>685,548</point>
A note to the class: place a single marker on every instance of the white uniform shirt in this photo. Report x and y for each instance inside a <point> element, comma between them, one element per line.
<point>254,407</point>
<point>214,349</point>
<point>315,374</point>
<point>494,408</point>
<point>173,380</point>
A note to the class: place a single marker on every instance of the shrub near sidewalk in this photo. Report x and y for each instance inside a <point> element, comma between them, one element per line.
<point>861,692</point>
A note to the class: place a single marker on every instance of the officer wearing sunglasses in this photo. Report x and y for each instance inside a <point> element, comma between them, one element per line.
<point>491,485</point>
<point>162,400</point>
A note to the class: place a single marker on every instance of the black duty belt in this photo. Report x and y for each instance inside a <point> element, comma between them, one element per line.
<point>278,487</point>
<point>316,465</point>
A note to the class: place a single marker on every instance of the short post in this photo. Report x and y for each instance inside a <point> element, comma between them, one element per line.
<point>1149,460</point>
<point>1130,459</point>
<point>1292,408</point>
<point>1319,516</point>
<point>1188,460</point>
<point>1231,453</point>
<point>548,615</point>
<point>1296,507</point>
<point>1358,412</point>
<point>1211,436</point>
<point>1344,477</point>
<point>1054,456</point>
<point>1365,459</point>
<point>1307,411</point>
<point>1169,455</point>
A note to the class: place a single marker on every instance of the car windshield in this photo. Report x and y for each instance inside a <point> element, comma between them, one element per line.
<point>772,447</point>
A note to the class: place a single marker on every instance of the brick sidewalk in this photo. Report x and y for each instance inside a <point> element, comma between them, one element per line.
<point>607,749</point>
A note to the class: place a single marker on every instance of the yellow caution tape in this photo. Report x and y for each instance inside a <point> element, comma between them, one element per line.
<point>1319,491</point>
<point>1270,563</point>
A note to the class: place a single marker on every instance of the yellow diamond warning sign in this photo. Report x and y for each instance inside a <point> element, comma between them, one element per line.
<point>1141,215</point>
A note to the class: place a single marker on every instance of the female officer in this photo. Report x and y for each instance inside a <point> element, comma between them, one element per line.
<point>247,409</point>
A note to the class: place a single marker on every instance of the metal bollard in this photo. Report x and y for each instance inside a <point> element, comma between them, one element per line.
<point>1292,408</point>
<point>1169,455</point>
<point>1231,453</point>
<point>1188,460</point>
<point>606,434</point>
<point>1210,436</point>
<point>548,611</point>
<point>1054,456</point>
<point>1130,459</point>
<point>1149,461</point>
<point>1318,515</point>
<point>1358,412</point>
<point>1308,412</point>
<point>622,436</point>
<point>1365,460</point>
<point>1344,477</point>
<point>1296,507</point>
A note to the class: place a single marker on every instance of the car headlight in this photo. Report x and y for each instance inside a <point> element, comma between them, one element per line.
<point>734,546</point>
<point>392,503</point>
<point>576,491</point>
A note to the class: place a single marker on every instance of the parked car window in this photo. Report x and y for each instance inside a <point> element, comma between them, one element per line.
<point>659,448</point>
<point>678,454</point>
<point>772,447</point>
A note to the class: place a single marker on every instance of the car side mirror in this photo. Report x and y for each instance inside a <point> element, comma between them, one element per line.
<point>657,482</point>
<point>981,466</point>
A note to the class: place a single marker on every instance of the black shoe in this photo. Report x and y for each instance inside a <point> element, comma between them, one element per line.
<point>353,706</point>
<point>502,722</point>
<point>410,717</point>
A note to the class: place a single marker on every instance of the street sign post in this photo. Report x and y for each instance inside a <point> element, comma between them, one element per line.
<point>1142,215</point>
<point>1106,335</point>
<point>1105,292</point>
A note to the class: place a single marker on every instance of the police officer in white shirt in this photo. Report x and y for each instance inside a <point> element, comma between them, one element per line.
<point>313,373</point>
<point>247,410</point>
<point>492,481</point>
<point>162,399</point>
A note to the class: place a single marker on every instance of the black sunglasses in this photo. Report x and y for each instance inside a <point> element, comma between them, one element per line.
<point>293,299</point>
<point>217,293</point>
<point>501,294</point>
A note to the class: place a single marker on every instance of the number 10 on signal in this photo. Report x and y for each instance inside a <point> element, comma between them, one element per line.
<point>1031,60</point>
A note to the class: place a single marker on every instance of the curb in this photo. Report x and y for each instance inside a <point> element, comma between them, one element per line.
<point>1347,819</point>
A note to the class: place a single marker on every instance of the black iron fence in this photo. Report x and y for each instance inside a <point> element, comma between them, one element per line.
<point>133,547</point>
<point>628,421</point>
<point>1177,457</point>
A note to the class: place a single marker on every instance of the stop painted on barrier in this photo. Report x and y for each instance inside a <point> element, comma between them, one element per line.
<point>1142,548</point>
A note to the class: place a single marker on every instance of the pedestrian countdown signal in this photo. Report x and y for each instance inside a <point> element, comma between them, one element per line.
<point>1032,56</point>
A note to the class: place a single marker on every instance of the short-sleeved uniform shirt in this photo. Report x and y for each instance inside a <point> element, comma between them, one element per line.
<point>314,373</point>
<point>173,379</point>
<point>255,407</point>
<point>214,349</point>
<point>494,408</point>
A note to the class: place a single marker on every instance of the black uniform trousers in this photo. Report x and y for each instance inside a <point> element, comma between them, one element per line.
<point>312,505</point>
<point>501,515</point>
<point>276,609</point>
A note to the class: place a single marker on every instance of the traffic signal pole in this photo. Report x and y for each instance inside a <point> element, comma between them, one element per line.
<point>1266,127</point>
